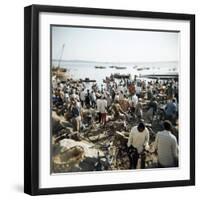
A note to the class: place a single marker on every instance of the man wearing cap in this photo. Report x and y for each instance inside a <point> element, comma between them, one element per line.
<point>138,140</point>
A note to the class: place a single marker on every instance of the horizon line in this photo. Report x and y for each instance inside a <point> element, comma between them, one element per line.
<point>80,60</point>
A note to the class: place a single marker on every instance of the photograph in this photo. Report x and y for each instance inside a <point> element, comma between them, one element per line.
<point>109,99</point>
<point>114,102</point>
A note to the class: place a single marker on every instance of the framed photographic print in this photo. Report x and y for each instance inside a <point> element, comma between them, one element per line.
<point>109,99</point>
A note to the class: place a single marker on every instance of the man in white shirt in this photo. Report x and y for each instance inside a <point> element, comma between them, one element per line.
<point>134,100</point>
<point>138,140</point>
<point>134,103</point>
<point>166,147</point>
<point>82,97</point>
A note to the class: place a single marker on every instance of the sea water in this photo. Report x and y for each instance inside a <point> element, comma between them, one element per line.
<point>82,69</point>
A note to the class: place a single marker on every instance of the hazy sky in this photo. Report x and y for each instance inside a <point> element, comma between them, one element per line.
<point>106,45</point>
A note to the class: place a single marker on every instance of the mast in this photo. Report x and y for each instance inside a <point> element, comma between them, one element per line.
<point>63,46</point>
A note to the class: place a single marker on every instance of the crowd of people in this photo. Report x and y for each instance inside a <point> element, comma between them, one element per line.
<point>122,99</point>
<point>165,145</point>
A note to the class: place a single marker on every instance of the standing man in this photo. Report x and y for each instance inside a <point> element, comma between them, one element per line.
<point>82,97</point>
<point>138,140</point>
<point>171,110</point>
<point>76,117</point>
<point>93,99</point>
<point>87,99</point>
<point>166,147</point>
<point>103,107</point>
<point>134,102</point>
<point>99,101</point>
<point>152,109</point>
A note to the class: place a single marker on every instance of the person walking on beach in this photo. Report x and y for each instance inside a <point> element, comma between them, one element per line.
<point>103,107</point>
<point>138,140</point>
<point>82,97</point>
<point>166,147</point>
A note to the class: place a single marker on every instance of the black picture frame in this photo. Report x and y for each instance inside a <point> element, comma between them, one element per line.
<point>31,98</point>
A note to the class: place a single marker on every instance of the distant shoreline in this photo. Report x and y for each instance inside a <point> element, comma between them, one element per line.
<point>114,62</point>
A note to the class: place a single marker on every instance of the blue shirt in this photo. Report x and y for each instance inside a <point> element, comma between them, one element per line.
<point>171,108</point>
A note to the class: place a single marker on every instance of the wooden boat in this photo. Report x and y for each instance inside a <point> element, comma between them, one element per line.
<point>162,76</point>
<point>100,67</point>
<point>87,80</point>
<point>143,68</point>
<point>120,76</point>
<point>120,67</point>
<point>134,67</point>
<point>108,79</point>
